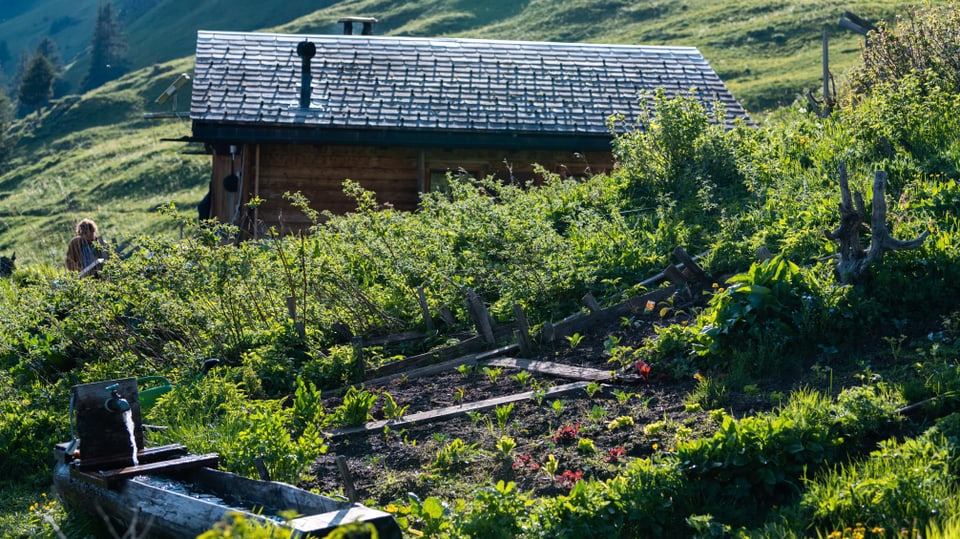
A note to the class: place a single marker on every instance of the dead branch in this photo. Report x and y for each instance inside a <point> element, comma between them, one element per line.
<point>854,259</point>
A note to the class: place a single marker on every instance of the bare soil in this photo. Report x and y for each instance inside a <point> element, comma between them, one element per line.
<point>387,464</point>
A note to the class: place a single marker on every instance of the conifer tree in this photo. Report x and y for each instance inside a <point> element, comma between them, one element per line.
<point>36,87</point>
<point>107,49</point>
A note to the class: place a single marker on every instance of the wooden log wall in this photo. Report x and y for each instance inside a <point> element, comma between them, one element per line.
<point>397,175</point>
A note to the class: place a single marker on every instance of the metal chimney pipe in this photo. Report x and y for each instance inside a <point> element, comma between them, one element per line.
<point>306,51</point>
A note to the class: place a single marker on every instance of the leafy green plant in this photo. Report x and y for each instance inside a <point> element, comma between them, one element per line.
<point>430,517</point>
<point>597,413</point>
<point>522,378</point>
<point>764,304</point>
<point>356,406</point>
<point>551,465</point>
<point>586,446</point>
<point>557,406</point>
<point>574,340</point>
<point>503,414</point>
<point>453,455</point>
<point>621,422</point>
<point>391,410</point>
<point>708,393</point>
<point>497,513</point>
<point>465,370</point>
<point>592,389</point>
<point>492,373</point>
<point>505,446</point>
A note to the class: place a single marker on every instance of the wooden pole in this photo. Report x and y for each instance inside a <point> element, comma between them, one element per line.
<point>827,102</point>
<point>256,194</point>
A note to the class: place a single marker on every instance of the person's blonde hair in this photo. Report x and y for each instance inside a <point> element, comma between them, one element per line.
<point>86,225</point>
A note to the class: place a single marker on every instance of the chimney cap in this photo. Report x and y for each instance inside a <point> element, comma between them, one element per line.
<point>367,23</point>
<point>357,19</point>
<point>306,49</point>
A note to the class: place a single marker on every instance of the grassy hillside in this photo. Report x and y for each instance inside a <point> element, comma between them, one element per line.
<point>767,51</point>
<point>157,30</point>
<point>97,157</point>
<point>94,155</point>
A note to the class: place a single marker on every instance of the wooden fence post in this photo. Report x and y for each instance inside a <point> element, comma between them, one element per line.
<point>481,317</point>
<point>422,298</point>
<point>522,333</point>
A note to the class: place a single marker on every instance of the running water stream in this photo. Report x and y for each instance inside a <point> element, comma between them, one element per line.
<point>128,421</point>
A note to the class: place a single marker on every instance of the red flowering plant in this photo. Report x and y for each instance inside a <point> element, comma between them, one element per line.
<point>615,454</point>
<point>567,434</point>
<point>525,463</point>
<point>569,479</point>
<point>643,369</point>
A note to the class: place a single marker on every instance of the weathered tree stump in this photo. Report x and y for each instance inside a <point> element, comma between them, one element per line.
<point>854,259</point>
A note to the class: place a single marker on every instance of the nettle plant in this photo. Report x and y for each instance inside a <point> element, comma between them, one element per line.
<point>772,304</point>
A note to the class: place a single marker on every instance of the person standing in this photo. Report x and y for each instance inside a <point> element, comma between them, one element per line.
<point>85,251</point>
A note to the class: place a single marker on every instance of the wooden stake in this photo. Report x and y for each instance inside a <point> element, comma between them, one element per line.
<point>689,264</point>
<point>591,303</point>
<point>522,332</point>
<point>292,311</point>
<point>348,487</point>
<point>481,317</point>
<point>447,316</point>
<point>261,468</point>
<point>422,298</point>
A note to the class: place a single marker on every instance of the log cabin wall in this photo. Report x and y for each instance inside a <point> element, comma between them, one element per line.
<point>397,175</point>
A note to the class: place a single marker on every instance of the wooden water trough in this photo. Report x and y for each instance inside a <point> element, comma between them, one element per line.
<point>166,492</point>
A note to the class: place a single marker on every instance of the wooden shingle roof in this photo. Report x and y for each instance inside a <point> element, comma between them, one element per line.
<point>246,86</point>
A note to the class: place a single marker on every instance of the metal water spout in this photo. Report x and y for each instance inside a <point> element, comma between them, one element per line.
<point>116,403</point>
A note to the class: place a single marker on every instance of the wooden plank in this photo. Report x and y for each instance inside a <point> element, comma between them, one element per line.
<point>554,369</point>
<point>395,338</point>
<point>472,344</point>
<point>430,370</point>
<point>210,460</point>
<point>581,322</point>
<point>424,308</point>
<point>151,454</point>
<point>457,410</point>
